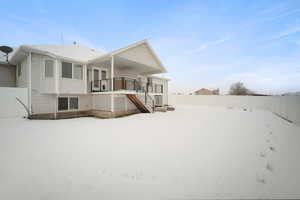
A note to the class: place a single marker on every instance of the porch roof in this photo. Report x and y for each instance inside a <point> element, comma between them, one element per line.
<point>139,56</point>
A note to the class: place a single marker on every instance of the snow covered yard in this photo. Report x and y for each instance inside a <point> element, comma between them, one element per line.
<point>195,152</point>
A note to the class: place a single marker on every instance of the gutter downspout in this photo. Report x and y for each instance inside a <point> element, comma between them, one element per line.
<point>29,85</point>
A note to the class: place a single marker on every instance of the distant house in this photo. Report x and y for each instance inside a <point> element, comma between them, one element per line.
<point>204,91</point>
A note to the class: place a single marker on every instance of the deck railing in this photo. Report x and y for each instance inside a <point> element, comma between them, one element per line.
<point>120,83</point>
<point>124,83</point>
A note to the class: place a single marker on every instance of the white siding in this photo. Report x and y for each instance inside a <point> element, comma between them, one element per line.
<point>7,76</point>
<point>43,103</point>
<point>39,82</point>
<point>85,102</point>
<point>119,102</point>
<point>47,103</point>
<point>22,80</point>
<point>71,86</point>
<point>102,102</point>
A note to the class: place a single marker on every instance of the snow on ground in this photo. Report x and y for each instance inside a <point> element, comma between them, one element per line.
<point>191,153</point>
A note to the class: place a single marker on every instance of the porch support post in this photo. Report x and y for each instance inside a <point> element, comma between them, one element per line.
<point>29,84</point>
<point>85,78</point>
<point>112,73</point>
<point>56,77</point>
<point>112,103</point>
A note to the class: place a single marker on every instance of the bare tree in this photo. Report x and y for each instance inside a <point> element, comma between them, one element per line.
<point>238,89</point>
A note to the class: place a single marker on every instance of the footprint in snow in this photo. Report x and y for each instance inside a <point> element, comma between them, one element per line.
<point>272,148</point>
<point>260,178</point>
<point>270,167</point>
<point>262,154</point>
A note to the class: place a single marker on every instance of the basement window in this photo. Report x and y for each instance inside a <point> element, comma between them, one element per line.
<point>73,103</point>
<point>63,103</point>
<point>49,68</point>
<point>68,103</point>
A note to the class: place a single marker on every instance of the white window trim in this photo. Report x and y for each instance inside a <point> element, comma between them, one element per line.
<point>44,68</point>
<point>68,110</point>
<point>61,69</point>
<point>73,66</point>
<point>103,69</point>
<point>82,68</point>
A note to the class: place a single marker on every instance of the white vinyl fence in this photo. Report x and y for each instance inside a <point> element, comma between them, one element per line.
<point>287,107</point>
<point>9,106</point>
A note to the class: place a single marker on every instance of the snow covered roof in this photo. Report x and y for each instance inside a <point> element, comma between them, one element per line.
<point>139,53</point>
<point>70,52</point>
<point>75,52</point>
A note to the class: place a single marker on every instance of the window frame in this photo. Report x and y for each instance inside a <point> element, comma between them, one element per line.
<point>73,67</point>
<point>44,71</point>
<point>106,71</point>
<point>68,97</point>
<point>69,102</point>
<point>61,75</point>
<point>73,71</point>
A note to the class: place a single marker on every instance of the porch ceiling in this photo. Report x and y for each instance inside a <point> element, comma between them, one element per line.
<point>129,65</point>
<point>138,57</point>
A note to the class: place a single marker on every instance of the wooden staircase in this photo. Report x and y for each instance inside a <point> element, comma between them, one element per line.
<point>144,104</point>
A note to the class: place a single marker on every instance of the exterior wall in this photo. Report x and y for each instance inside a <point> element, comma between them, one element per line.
<point>47,103</point>
<point>102,102</point>
<point>38,81</point>
<point>7,76</point>
<point>165,95</point>
<point>43,103</point>
<point>125,73</point>
<point>9,106</point>
<point>71,86</point>
<point>22,80</point>
<point>287,107</point>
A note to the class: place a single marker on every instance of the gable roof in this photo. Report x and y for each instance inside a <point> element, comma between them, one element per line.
<point>70,52</point>
<point>139,52</point>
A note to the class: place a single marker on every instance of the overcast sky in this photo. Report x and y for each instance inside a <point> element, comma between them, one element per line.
<point>202,43</point>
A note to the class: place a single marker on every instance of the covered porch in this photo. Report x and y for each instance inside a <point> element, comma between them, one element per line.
<point>124,70</point>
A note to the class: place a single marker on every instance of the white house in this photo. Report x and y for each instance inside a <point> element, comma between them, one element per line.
<point>70,80</point>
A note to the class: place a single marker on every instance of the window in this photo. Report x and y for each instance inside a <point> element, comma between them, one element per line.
<point>158,88</point>
<point>49,68</point>
<point>73,103</point>
<point>78,72</point>
<point>66,70</point>
<point>19,70</point>
<point>68,103</point>
<point>103,74</point>
<point>63,103</point>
